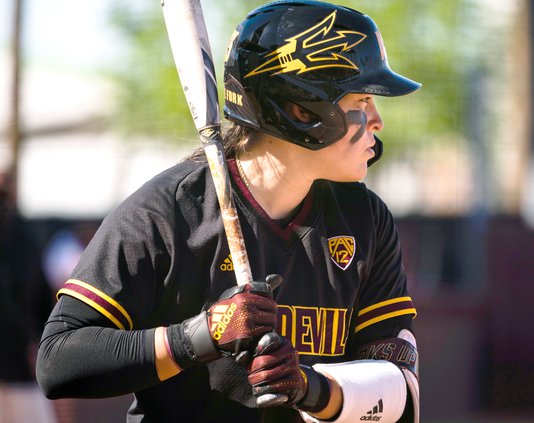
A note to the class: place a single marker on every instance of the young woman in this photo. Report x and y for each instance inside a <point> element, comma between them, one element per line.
<point>152,307</point>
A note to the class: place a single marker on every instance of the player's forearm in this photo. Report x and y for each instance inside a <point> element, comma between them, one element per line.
<point>93,362</point>
<point>334,403</point>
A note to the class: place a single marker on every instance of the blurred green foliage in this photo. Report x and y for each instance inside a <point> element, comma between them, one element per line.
<point>150,100</point>
<point>426,41</point>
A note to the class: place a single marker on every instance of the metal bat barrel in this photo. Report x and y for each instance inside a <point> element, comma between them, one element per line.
<point>191,51</point>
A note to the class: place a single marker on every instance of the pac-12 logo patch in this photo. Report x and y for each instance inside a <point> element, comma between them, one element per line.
<point>341,250</point>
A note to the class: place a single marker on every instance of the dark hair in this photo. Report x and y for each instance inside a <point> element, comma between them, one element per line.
<point>234,139</point>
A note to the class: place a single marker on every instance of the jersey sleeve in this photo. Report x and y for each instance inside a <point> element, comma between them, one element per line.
<point>83,355</point>
<point>124,268</point>
<point>384,305</point>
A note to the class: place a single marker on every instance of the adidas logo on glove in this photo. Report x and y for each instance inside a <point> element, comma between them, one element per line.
<point>221,316</point>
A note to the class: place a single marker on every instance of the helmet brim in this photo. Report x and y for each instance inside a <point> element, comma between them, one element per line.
<point>385,83</point>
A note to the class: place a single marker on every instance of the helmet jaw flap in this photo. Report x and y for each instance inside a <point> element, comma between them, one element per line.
<point>311,54</point>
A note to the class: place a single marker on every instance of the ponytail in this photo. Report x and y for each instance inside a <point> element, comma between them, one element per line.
<point>234,139</point>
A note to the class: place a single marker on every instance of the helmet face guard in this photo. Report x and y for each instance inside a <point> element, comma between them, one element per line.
<point>311,54</point>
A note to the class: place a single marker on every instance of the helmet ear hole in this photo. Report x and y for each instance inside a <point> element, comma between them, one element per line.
<point>301,114</point>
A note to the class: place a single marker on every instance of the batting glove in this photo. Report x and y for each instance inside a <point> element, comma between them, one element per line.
<point>231,325</point>
<point>275,369</point>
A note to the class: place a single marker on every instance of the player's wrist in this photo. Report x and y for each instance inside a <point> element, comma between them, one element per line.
<point>166,367</point>
<point>190,342</point>
<point>317,393</point>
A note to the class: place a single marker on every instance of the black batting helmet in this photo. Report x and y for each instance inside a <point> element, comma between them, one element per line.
<point>309,53</point>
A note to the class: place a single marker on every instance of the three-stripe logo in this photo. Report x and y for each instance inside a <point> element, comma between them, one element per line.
<point>372,415</point>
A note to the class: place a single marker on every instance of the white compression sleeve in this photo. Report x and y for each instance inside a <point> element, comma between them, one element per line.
<point>373,390</point>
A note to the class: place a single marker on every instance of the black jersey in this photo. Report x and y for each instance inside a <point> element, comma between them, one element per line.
<point>161,256</point>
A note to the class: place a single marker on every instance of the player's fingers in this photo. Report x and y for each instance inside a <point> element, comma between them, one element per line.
<point>284,357</point>
<point>259,311</point>
<point>265,320</point>
<point>262,308</point>
<point>275,376</point>
<point>253,317</point>
<point>265,289</point>
<point>243,358</point>
<point>281,387</point>
<point>274,280</point>
<point>271,400</point>
<point>268,343</point>
<point>252,301</point>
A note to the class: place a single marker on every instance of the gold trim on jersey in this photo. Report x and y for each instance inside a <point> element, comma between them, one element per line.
<point>384,310</point>
<point>99,301</point>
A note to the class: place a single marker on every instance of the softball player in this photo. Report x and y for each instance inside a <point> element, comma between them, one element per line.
<point>153,308</point>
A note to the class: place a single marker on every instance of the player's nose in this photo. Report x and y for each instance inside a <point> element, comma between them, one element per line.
<point>374,120</point>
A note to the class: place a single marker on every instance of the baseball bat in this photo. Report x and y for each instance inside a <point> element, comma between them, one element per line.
<point>192,55</point>
<point>191,51</point>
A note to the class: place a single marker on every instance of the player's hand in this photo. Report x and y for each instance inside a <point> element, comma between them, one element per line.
<point>232,325</point>
<point>242,315</point>
<point>275,369</point>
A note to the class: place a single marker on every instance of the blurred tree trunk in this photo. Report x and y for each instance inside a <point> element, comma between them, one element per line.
<point>14,131</point>
<point>526,99</point>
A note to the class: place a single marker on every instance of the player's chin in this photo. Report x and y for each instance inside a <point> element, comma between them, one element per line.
<point>358,174</point>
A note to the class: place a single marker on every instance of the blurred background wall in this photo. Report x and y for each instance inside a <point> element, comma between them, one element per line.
<point>91,108</point>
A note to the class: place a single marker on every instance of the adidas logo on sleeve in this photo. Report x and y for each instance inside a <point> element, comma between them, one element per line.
<point>373,414</point>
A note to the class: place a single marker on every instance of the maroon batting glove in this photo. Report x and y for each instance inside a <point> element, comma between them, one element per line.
<point>241,316</point>
<point>275,369</point>
<point>232,325</point>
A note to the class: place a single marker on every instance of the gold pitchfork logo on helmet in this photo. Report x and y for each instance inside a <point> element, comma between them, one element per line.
<point>316,48</point>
